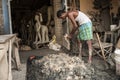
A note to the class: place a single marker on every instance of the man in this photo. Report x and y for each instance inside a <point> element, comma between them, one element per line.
<point>84,26</point>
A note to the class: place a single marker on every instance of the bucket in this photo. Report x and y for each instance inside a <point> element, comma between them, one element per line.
<point>117,60</point>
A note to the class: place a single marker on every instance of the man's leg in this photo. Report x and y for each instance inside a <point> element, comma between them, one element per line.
<point>89,42</point>
<point>80,48</point>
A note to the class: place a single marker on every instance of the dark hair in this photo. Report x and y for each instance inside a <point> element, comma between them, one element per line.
<point>59,12</point>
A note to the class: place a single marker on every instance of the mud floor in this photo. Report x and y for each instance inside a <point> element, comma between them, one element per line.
<point>102,70</point>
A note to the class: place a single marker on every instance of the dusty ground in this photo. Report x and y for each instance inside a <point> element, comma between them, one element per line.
<point>20,75</point>
<point>98,63</point>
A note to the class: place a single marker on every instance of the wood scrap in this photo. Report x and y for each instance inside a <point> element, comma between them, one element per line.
<point>66,42</point>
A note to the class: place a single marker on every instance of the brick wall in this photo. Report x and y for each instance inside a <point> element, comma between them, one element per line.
<point>1,18</point>
<point>58,22</point>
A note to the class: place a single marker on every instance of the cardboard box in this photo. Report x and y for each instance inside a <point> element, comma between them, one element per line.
<point>118,44</point>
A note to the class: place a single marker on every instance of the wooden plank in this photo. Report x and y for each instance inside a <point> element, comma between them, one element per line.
<point>5,38</point>
<point>6,42</point>
<point>2,51</point>
<point>3,66</point>
<point>16,54</point>
<point>66,43</point>
<point>10,71</point>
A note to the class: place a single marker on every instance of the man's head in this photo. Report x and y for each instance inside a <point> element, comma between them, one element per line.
<point>61,14</point>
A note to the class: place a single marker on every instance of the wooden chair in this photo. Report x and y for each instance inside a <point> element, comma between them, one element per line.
<point>107,34</point>
<point>107,48</point>
<point>103,49</point>
<point>114,34</point>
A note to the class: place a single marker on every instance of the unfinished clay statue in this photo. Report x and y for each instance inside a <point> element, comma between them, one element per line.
<point>44,31</point>
<point>37,28</point>
<point>50,21</point>
<point>45,37</point>
<point>41,30</point>
<point>50,14</point>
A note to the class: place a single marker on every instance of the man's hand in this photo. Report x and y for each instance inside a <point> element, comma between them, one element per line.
<point>73,30</point>
<point>68,36</point>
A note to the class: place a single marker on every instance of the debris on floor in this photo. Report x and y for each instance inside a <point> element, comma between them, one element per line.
<point>102,70</point>
<point>58,67</point>
<point>54,45</point>
<point>25,48</point>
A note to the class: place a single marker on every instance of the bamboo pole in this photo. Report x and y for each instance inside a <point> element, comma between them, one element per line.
<point>101,47</point>
<point>66,9</point>
<point>10,19</point>
<point>99,42</point>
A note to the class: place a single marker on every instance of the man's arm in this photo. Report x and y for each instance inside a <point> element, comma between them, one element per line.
<point>75,26</point>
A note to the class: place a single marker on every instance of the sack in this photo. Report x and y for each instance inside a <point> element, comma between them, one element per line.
<point>118,44</point>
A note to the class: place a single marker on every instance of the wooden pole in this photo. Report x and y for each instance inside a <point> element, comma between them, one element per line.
<point>99,42</point>
<point>9,13</point>
<point>10,71</point>
<point>74,5</point>
<point>101,47</point>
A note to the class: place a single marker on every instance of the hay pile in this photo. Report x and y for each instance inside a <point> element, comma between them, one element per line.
<point>58,67</point>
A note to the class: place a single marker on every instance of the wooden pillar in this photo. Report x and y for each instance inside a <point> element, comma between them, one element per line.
<point>1,18</point>
<point>58,22</point>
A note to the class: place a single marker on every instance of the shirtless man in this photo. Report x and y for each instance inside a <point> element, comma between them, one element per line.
<point>85,28</point>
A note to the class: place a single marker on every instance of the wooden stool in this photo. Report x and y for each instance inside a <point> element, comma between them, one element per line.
<point>109,33</point>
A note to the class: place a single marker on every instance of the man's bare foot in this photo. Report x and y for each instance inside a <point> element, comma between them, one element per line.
<point>90,60</point>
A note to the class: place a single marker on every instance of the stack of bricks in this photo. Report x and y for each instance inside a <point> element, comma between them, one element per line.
<point>1,18</point>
